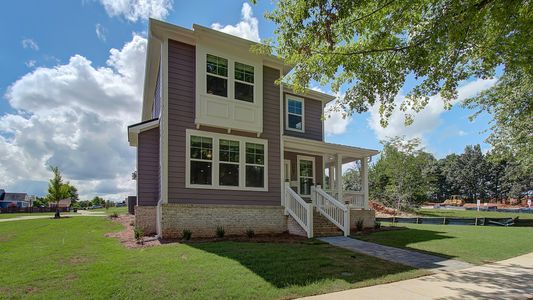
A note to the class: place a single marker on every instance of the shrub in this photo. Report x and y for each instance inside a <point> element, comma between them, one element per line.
<point>132,223</point>
<point>220,231</point>
<point>186,234</point>
<point>359,225</point>
<point>139,233</point>
<point>377,225</point>
<point>250,232</point>
<point>114,215</point>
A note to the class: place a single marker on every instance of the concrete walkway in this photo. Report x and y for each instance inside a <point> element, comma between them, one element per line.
<point>410,258</point>
<point>507,279</point>
<point>49,216</point>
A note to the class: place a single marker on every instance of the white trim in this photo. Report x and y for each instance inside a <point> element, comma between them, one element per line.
<point>286,166</point>
<point>164,107</point>
<point>298,99</point>
<point>215,161</point>
<point>296,144</point>
<point>308,158</point>
<point>281,143</point>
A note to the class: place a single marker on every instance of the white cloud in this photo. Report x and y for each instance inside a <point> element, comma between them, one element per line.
<point>29,43</point>
<point>462,133</point>
<point>30,63</point>
<point>101,32</point>
<point>134,10</point>
<point>247,28</point>
<point>335,123</point>
<point>425,120</point>
<point>75,116</point>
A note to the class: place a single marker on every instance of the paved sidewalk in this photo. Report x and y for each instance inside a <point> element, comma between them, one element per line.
<point>402,256</point>
<point>21,218</point>
<point>507,279</point>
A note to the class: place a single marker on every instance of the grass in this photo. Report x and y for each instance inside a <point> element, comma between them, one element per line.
<point>71,258</point>
<point>119,210</point>
<point>452,213</point>
<point>474,244</point>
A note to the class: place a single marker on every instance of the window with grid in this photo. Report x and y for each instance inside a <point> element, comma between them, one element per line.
<point>201,160</point>
<point>244,82</point>
<point>295,118</point>
<point>228,167</point>
<point>217,75</point>
<point>255,165</point>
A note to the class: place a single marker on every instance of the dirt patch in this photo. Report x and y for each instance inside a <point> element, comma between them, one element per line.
<point>126,237</point>
<point>383,211</point>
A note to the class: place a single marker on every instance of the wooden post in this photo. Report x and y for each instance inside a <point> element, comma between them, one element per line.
<point>476,222</point>
<point>444,221</point>
<point>310,220</point>
<point>364,179</point>
<point>347,222</point>
<point>338,170</point>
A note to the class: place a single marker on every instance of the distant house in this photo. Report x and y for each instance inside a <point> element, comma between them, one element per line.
<point>14,199</point>
<point>64,203</point>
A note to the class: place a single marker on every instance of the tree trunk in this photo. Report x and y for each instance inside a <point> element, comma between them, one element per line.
<point>57,215</point>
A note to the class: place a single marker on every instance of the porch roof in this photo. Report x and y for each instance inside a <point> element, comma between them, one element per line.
<point>320,147</point>
<point>135,129</point>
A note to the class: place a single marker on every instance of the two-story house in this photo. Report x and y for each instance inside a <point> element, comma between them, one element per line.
<point>221,144</point>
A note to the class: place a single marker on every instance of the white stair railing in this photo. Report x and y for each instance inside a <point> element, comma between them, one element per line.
<point>355,199</point>
<point>335,211</point>
<point>300,210</point>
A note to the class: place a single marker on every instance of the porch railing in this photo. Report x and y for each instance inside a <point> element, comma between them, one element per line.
<point>354,199</point>
<point>300,210</point>
<point>335,211</point>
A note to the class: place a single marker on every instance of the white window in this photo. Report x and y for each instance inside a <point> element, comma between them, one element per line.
<point>201,160</point>
<point>295,113</point>
<point>244,82</point>
<point>306,174</point>
<point>217,76</point>
<point>221,161</point>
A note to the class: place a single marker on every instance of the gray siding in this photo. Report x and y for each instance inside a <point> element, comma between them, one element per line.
<point>181,91</point>
<point>319,172</point>
<point>312,119</point>
<point>148,167</point>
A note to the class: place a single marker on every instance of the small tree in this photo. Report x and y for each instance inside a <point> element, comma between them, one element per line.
<point>57,190</point>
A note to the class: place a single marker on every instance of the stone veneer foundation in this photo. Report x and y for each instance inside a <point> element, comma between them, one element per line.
<point>203,220</point>
<point>146,219</point>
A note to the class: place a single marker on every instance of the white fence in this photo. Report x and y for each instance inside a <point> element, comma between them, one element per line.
<point>300,210</point>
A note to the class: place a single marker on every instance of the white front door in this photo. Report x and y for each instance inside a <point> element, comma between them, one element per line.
<point>306,174</point>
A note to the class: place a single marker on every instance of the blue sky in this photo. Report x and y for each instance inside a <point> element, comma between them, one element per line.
<point>56,49</point>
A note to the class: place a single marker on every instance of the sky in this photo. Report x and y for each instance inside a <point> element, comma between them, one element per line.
<point>71,82</point>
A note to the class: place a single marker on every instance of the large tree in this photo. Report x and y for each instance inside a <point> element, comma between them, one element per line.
<point>372,47</point>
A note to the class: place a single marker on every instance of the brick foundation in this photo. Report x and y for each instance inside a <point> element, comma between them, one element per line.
<point>203,220</point>
<point>146,218</point>
<point>367,215</point>
<point>294,228</point>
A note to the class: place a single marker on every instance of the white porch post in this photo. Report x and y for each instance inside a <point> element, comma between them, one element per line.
<point>331,178</point>
<point>364,178</point>
<point>338,177</point>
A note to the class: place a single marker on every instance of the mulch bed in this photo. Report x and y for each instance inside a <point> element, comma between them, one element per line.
<point>126,237</point>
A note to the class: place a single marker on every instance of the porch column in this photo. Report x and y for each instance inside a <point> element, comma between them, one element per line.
<point>364,180</point>
<point>338,177</point>
<point>331,178</point>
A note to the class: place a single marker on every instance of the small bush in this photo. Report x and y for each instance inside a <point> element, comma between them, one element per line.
<point>220,231</point>
<point>114,215</point>
<point>132,223</point>
<point>139,233</point>
<point>186,234</point>
<point>359,225</point>
<point>377,225</point>
<point>250,233</point>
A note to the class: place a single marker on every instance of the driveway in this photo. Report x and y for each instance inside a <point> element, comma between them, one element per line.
<point>507,279</point>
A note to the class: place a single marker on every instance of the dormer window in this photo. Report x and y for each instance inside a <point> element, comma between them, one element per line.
<point>244,82</point>
<point>217,75</point>
<point>295,113</point>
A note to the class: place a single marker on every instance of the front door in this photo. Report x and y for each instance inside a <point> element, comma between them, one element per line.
<point>306,174</point>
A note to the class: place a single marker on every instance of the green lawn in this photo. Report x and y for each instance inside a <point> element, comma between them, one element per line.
<point>119,210</point>
<point>15,215</point>
<point>71,258</point>
<point>470,214</point>
<point>474,244</point>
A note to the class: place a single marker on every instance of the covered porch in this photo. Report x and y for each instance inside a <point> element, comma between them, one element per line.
<point>339,170</point>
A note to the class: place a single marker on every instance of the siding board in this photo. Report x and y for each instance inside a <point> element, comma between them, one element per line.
<point>313,120</point>
<point>181,87</point>
<point>148,168</point>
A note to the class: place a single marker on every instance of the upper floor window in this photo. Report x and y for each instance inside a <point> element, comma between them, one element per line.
<point>295,113</point>
<point>217,75</point>
<point>244,82</point>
